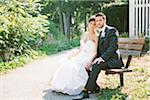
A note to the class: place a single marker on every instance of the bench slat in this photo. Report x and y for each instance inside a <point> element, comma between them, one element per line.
<point>131,40</point>
<point>117,71</point>
<point>131,46</point>
<point>130,52</point>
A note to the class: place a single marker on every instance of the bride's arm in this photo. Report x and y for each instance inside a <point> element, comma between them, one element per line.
<point>82,41</point>
<point>75,53</point>
<point>72,53</point>
<point>95,53</point>
<point>89,64</point>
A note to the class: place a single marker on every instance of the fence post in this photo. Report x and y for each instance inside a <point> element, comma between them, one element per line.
<point>131,18</point>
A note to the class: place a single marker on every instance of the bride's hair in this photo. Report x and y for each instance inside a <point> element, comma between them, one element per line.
<point>92,18</point>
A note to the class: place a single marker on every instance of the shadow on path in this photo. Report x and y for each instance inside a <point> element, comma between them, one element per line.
<point>49,95</point>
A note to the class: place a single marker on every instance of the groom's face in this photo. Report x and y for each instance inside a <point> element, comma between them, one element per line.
<point>100,21</point>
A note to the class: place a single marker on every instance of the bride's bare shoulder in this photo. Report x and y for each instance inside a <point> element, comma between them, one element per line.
<point>86,33</point>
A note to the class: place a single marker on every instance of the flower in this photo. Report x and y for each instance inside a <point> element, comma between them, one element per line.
<point>103,34</point>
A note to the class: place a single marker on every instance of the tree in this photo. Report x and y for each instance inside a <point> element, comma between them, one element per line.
<point>65,12</point>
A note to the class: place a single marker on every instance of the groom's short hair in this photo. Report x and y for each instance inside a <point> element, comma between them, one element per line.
<point>101,14</point>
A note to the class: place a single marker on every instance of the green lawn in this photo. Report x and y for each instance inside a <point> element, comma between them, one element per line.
<point>135,87</point>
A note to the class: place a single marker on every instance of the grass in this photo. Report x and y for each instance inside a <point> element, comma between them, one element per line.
<point>111,94</point>
<point>136,86</point>
<point>20,61</point>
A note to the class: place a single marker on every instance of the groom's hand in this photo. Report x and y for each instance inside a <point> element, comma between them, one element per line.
<point>98,60</point>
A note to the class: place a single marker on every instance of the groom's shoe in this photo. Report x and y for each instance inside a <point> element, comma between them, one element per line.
<point>82,95</point>
<point>96,90</point>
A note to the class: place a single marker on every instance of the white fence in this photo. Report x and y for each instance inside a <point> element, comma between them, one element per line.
<point>139,18</point>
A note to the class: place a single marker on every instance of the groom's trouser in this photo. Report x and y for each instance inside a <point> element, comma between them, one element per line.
<point>96,68</point>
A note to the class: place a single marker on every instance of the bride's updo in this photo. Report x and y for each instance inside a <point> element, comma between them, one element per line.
<point>92,18</point>
<point>91,23</point>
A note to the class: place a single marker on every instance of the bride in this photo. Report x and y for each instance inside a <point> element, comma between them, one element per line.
<point>71,77</point>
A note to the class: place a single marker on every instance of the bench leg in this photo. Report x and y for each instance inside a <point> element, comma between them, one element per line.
<point>121,79</point>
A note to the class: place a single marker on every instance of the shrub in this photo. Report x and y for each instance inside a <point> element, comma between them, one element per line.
<point>58,45</point>
<point>54,30</point>
<point>21,26</point>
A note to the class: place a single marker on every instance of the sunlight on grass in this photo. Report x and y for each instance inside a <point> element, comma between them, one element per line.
<point>136,86</point>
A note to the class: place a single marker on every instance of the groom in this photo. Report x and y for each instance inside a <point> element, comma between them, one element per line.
<point>107,56</point>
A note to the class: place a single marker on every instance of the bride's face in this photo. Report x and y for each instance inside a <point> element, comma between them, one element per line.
<point>92,25</point>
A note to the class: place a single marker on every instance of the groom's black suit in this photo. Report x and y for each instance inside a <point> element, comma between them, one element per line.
<point>107,47</point>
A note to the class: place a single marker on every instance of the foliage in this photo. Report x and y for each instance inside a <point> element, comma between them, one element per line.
<point>147,45</point>
<point>117,16</point>
<point>59,45</point>
<point>20,60</point>
<point>70,14</point>
<point>21,26</point>
<point>54,30</point>
<point>124,34</point>
<point>111,94</point>
<point>30,55</point>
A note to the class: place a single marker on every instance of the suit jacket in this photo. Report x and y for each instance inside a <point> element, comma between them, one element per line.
<point>108,46</point>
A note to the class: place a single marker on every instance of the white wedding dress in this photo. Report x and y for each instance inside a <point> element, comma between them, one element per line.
<point>71,77</point>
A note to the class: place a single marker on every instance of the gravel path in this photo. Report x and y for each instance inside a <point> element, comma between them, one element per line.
<point>32,81</point>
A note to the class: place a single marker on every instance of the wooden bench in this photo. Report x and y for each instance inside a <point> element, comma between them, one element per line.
<point>128,47</point>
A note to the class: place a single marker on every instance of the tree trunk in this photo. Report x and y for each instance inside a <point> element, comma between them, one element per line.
<point>65,24</point>
<point>66,20</point>
<point>68,25</point>
<point>61,22</point>
<point>85,23</point>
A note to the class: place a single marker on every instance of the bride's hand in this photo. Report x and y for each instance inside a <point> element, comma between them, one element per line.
<point>88,66</point>
<point>71,54</point>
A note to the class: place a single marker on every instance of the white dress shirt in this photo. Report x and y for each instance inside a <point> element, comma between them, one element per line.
<point>103,30</point>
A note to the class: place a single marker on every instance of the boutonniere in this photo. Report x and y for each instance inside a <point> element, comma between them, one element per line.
<point>117,33</point>
<point>103,34</point>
